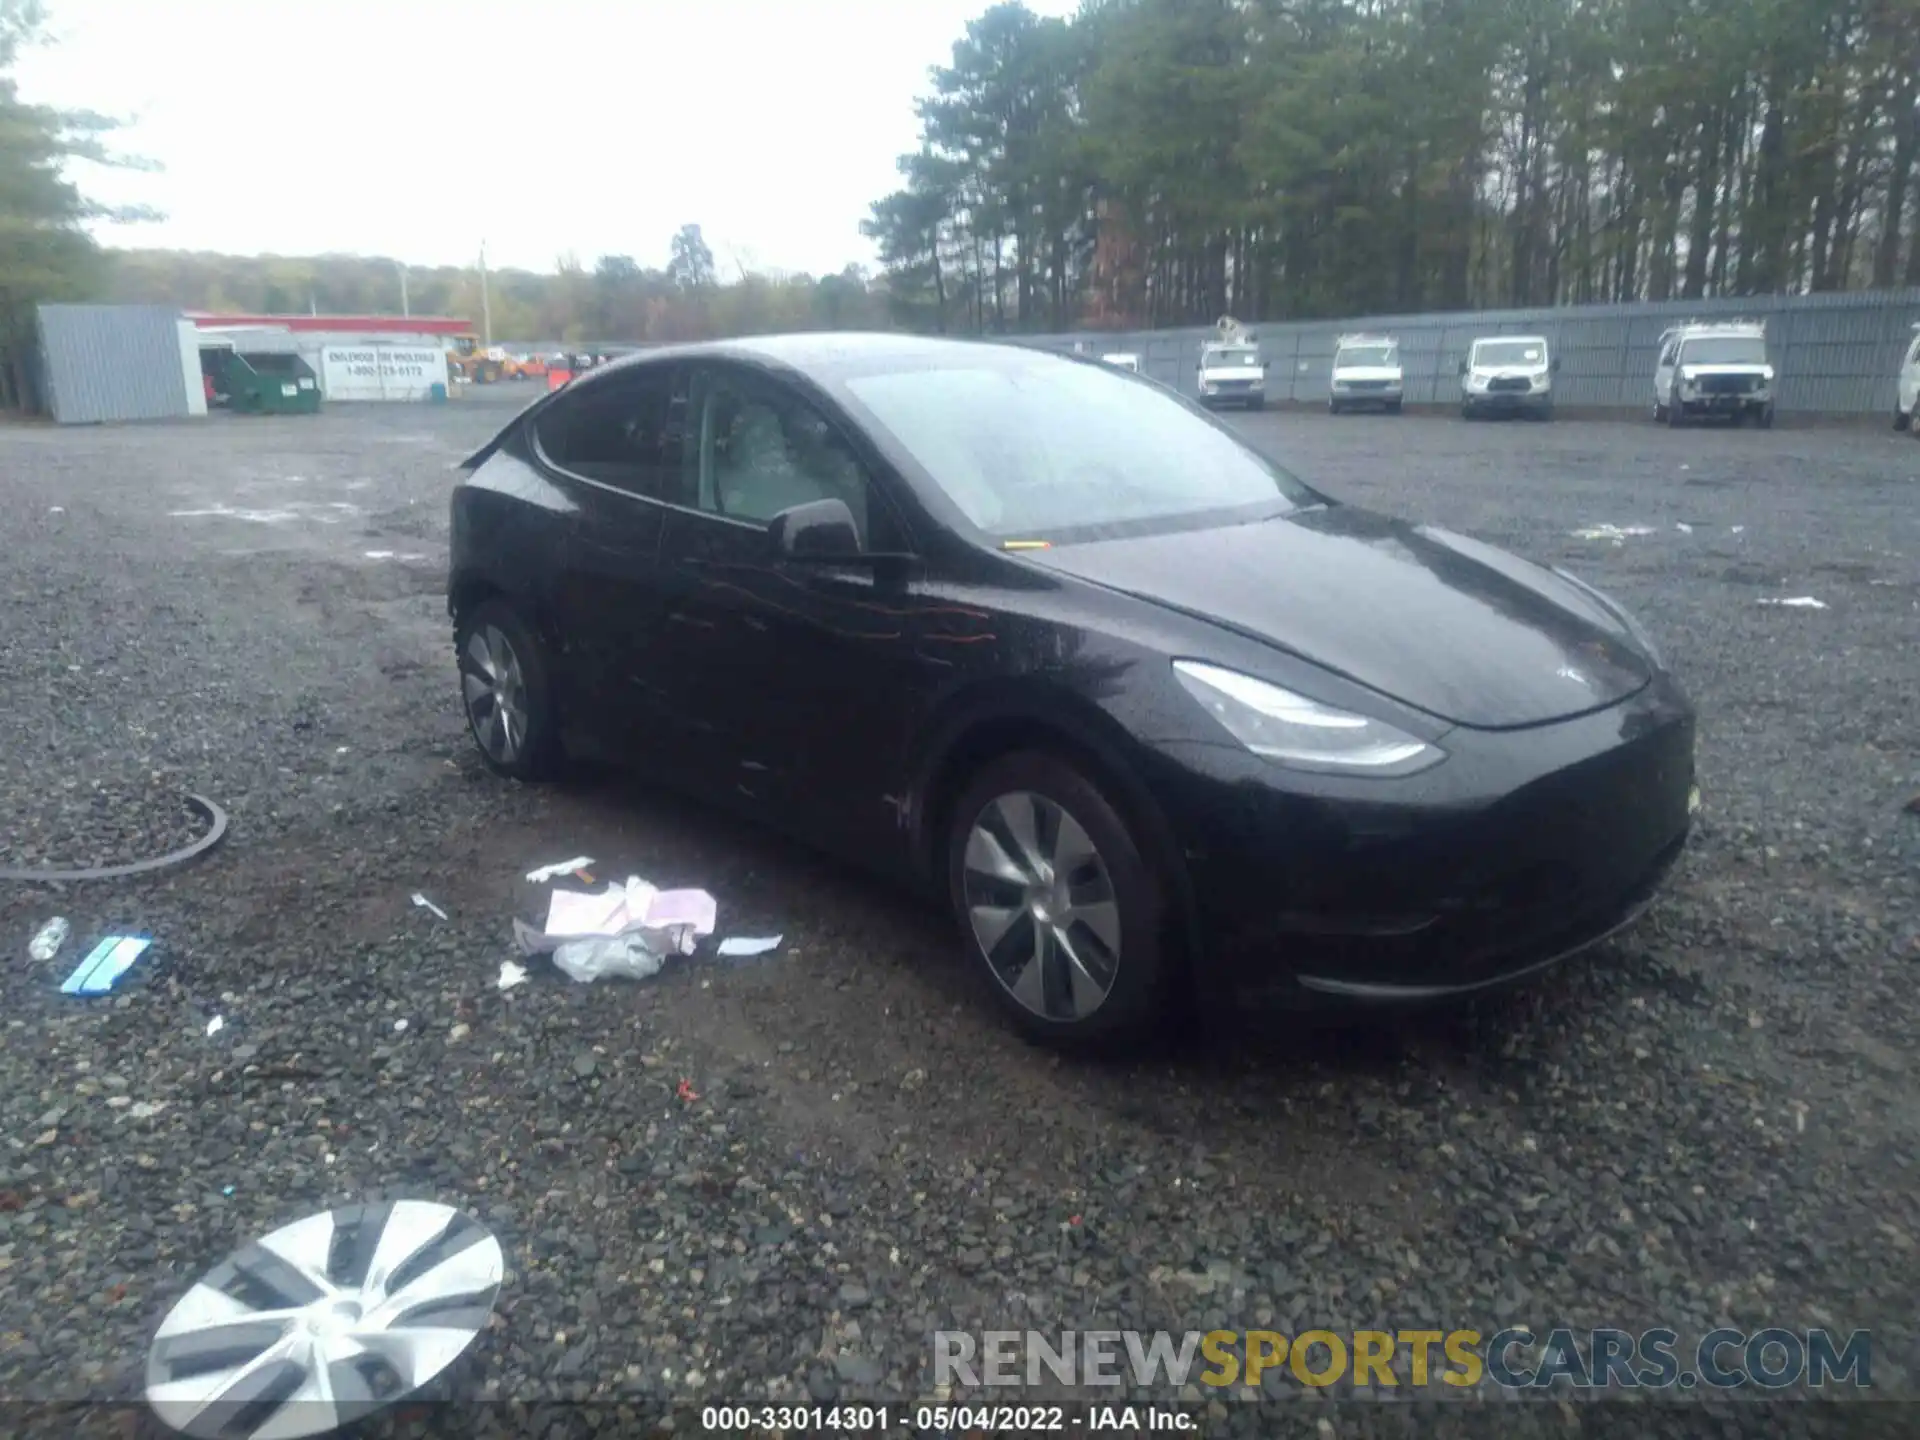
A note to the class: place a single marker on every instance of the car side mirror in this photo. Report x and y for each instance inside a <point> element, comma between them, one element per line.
<point>817,530</point>
<point>1555,365</point>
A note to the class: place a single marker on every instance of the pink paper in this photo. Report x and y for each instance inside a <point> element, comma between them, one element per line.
<point>694,908</point>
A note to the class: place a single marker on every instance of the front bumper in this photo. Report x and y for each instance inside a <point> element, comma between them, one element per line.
<point>1722,403</point>
<point>1241,395</point>
<point>1522,848</point>
<point>1508,402</point>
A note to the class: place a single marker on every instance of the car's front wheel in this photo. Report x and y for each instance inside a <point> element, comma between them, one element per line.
<point>1058,907</point>
<point>1901,418</point>
<point>505,692</point>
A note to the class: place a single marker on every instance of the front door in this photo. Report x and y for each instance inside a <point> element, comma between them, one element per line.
<point>797,675</point>
<point>1664,372</point>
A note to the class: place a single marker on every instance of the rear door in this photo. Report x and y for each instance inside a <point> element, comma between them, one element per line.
<point>796,678</point>
<point>615,443</point>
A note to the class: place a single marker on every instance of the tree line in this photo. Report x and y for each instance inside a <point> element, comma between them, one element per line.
<point>45,250</point>
<point>614,300</point>
<point>1157,162</point>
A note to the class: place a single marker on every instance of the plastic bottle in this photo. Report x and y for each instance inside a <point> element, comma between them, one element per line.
<point>52,935</point>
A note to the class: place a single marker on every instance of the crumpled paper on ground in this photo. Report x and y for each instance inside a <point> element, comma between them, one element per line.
<point>626,930</point>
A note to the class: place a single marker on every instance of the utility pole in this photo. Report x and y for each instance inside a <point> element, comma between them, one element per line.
<point>405,308</point>
<point>486,305</point>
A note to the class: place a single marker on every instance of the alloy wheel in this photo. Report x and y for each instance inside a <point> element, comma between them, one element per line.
<point>324,1322</point>
<point>495,690</point>
<point>1042,907</point>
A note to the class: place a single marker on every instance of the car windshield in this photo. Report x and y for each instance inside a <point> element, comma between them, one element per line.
<point>1724,350</point>
<point>1224,358</point>
<point>1489,353</point>
<point>1035,450</point>
<point>1363,356</point>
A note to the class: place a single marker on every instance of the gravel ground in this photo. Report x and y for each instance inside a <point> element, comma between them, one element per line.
<point>1711,1121</point>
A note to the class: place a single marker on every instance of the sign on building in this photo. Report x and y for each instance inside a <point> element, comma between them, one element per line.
<point>381,372</point>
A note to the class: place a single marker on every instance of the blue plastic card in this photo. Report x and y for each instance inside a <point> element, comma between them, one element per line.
<point>105,963</point>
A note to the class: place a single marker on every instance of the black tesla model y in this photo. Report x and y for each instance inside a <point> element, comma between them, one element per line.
<point>1156,719</point>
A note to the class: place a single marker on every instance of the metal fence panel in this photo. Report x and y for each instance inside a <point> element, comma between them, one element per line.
<point>1836,353</point>
<point>112,362</point>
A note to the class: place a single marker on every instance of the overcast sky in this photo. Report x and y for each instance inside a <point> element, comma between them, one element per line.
<point>418,128</point>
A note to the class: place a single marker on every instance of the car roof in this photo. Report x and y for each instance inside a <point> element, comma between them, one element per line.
<point>1517,339</point>
<point>831,354</point>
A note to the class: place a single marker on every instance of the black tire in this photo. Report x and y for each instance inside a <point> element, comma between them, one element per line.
<point>1676,416</point>
<point>1256,404</point>
<point>1902,419</point>
<point>1334,407</point>
<point>537,756</point>
<point>1544,414</point>
<point>1467,412</point>
<point>1393,407</point>
<point>1140,989</point>
<point>1659,413</point>
<point>1765,418</point>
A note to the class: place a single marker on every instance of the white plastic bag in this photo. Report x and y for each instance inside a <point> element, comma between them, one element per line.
<point>617,956</point>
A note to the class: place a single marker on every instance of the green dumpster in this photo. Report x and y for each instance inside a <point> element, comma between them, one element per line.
<point>272,384</point>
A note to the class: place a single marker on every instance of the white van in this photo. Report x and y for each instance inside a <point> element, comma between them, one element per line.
<point>1508,375</point>
<point>1714,369</point>
<point>1122,361</point>
<point>1907,398</point>
<point>1366,371</point>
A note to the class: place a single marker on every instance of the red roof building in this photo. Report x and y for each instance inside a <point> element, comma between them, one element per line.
<point>337,324</point>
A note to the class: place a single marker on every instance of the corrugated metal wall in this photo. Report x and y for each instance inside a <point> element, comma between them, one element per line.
<point>112,362</point>
<point>1835,353</point>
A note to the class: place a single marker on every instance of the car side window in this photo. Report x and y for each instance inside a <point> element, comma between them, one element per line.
<point>763,450</point>
<point>622,432</point>
<point>1670,354</point>
<point>1913,353</point>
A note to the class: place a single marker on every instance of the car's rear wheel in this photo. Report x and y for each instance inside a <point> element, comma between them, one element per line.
<point>1059,910</point>
<point>505,691</point>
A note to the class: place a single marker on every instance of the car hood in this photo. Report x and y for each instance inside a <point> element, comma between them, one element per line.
<point>1508,372</point>
<point>1232,372</point>
<point>1446,624</point>
<point>1366,372</point>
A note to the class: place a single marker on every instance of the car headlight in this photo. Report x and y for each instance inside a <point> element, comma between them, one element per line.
<point>1282,726</point>
<point>1635,630</point>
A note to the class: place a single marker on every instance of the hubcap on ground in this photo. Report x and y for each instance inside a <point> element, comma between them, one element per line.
<point>324,1322</point>
<point>496,694</point>
<point>1042,907</point>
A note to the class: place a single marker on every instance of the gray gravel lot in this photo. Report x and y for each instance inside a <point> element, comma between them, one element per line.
<point>1712,1120</point>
